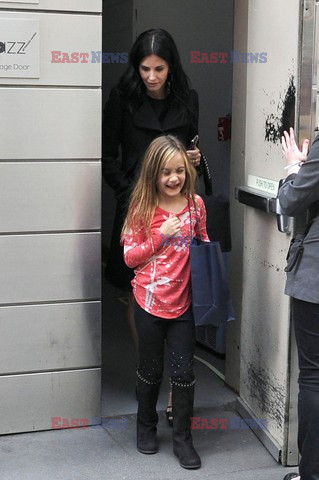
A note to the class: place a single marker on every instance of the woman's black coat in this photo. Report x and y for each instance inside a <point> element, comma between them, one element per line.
<point>133,131</point>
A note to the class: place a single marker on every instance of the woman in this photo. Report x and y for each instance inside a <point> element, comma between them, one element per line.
<point>152,98</point>
<point>297,195</point>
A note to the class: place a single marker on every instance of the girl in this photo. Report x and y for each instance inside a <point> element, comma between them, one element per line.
<point>163,207</point>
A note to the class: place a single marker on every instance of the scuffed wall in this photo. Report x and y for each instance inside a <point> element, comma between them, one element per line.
<point>268,102</point>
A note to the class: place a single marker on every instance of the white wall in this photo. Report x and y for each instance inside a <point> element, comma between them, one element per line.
<point>50,181</point>
<point>272,27</point>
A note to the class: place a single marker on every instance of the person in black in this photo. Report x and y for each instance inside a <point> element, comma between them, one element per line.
<point>298,194</point>
<point>152,98</point>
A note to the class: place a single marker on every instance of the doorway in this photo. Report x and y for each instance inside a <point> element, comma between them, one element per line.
<point>204,31</point>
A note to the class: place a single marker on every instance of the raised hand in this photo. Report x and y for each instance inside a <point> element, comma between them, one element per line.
<point>291,151</point>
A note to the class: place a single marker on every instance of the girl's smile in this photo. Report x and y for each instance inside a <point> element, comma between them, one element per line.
<point>172,178</point>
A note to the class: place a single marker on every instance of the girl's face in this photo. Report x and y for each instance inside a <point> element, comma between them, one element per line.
<point>172,178</point>
<point>153,71</point>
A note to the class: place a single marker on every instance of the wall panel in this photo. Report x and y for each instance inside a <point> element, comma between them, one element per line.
<point>49,337</point>
<point>43,123</point>
<point>48,196</point>
<point>92,6</point>
<point>64,33</point>
<point>28,402</point>
<point>49,267</point>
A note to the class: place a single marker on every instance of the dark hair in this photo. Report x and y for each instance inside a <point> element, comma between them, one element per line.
<point>154,42</point>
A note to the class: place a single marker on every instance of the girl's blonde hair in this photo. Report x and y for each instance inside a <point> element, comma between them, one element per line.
<point>144,197</point>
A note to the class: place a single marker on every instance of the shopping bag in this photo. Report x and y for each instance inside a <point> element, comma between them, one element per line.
<point>211,297</point>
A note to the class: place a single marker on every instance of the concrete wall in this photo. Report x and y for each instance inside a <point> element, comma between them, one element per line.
<point>262,101</point>
<point>50,177</point>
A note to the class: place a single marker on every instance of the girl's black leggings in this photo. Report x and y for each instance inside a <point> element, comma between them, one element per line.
<point>179,335</point>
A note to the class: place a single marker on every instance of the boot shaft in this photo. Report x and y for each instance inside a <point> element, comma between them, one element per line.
<point>147,418</point>
<point>147,396</point>
<point>183,405</point>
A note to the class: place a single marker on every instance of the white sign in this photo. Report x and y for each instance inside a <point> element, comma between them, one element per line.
<point>263,184</point>
<point>19,48</point>
<point>19,1</point>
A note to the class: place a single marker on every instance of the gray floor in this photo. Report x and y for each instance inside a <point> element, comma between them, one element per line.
<point>119,361</point>
<point>109,451</point>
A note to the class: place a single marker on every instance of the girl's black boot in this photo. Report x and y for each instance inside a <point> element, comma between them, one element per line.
<point>183,401</point>
<point>147,418</point>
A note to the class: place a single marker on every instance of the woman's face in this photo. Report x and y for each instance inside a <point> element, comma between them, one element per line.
<point>153,71</point>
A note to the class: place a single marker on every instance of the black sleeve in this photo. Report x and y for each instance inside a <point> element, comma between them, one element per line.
<point>111,141</point>
<point>203,168</point>
<point>194,114</point>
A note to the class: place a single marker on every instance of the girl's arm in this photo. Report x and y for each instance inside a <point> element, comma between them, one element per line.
<point>200,230</point>
<point>138,251</point>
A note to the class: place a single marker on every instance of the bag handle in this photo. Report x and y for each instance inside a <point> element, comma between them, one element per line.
<point>206,175</point>
<point>190,219</point>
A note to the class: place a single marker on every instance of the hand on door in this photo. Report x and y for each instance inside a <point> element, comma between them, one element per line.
<point>290,150</point>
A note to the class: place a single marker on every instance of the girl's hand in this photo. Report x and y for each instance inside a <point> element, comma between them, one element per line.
<point>170,227</point>
<point>194,156</point>
<point>291,151</point>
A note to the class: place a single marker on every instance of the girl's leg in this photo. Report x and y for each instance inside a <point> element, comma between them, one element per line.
<point>306,320</point>
<point>181,346</point>
<point>151,337</point>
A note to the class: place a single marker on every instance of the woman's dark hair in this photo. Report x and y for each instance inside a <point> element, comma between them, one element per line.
<point>154,42</point>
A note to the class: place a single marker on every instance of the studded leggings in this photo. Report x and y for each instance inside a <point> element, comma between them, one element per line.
<point>179,335</point>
